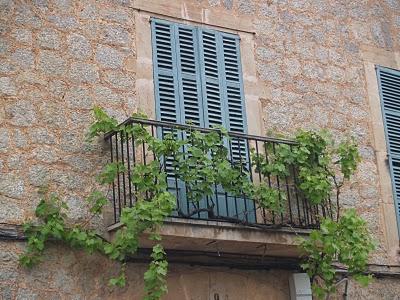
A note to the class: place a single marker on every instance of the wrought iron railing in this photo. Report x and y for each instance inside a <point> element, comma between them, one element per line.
<point>221,206</point>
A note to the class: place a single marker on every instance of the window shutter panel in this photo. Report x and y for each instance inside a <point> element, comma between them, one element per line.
<point>189,91</point>
<point>222,85</point>
<point>176,73</point>
<point>223,105</point>
<point>233,82</point>
<point>233,86</point>
<point>389,86</point>
<point>189,74</point>
<point>231,73</point>
<point>165,74</point>
<point>168,93</point>
<point>213,98</point>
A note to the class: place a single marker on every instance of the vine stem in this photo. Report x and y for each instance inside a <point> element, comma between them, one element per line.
<point>338,186</point>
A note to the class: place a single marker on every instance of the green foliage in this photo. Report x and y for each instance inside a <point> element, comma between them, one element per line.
<point>314,165</point>
<point>312,160</point>
<point>269,198</point>
<point>103,123</point>
<point>97,201</point>
<point>203,166</point>
<point>120,280</point>
<point>348,157</point>
<point>155,276</point>
<point>347,242</point>
<point>53,227</point>
<point>110,171</point>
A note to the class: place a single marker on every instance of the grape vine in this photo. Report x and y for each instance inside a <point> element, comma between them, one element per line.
<point>202,166</point>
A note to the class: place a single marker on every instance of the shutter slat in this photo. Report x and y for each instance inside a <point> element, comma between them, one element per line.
<point>389,84</point>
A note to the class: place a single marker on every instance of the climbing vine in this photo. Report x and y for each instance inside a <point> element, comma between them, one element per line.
<point>346,242</point>
<point>202,166</point>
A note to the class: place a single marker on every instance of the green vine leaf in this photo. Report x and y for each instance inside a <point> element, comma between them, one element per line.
<point>103,124</point>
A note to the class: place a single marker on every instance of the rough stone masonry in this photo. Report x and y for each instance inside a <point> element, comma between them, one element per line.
<point>58,58</point>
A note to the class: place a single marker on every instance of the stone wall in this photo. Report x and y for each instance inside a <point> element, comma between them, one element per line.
<point>58,58</point>
<point>69,274</point>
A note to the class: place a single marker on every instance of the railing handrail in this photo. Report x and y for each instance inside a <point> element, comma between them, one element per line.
<point>198,128</point>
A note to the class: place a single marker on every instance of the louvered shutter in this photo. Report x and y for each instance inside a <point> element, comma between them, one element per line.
<point>222,86</point>
<point>165,73</point>
<point>211,72</point>
<point>224,104</point>
<point>234,94</point>
<point>189,74</point>
<point>198,80</point>
<point>176,73</point>
<point>236,120</point>
<point>190,90</point>
<point>389,86</point>
<point>176,88</point>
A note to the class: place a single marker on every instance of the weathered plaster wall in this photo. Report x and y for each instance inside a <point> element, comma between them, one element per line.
<point>59,58</point>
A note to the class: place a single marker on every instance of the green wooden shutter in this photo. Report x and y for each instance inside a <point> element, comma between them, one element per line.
<point>189,74</point>
<point>223,103</point>
<point>173,68</point>
<point>211,74</point>
<point>232,84</point>
<point>222,85</point>
<point>176,73</point>
<point>165,72</point>
<point>198,80</point>
<point>389,89</point>
<point>198,76</point>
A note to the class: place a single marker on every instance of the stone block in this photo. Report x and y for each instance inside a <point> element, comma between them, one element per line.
<point>11,186</point>
<point>49,39</point>
<point>84,73</point>
<point>4,139</point>
<point>120,80</point>
<point>79,47</point>
<point>24,58</point>
<point>7,86</point>
<point>52,64</point>
<point>79,97</point>
<point>23,36</point>
<point>115,35</point>
<point>64,22</point>
<point>108,57</point>
<point>21,113</point>
<point>38,175</point>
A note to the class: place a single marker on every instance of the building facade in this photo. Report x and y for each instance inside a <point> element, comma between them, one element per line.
<point>294,65</point>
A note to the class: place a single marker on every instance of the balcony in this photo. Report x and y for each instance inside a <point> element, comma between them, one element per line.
<point>220,207</point>
<point>221,223</point>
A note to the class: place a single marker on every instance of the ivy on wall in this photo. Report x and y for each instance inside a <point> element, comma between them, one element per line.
<point>204,165</point>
